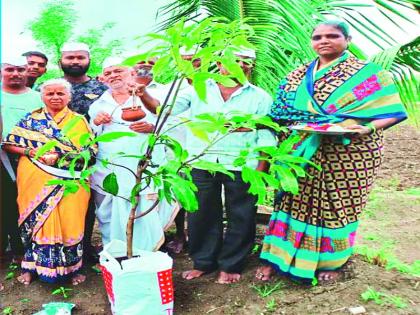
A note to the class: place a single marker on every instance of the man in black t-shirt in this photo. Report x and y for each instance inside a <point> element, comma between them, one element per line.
<point>75,61</point>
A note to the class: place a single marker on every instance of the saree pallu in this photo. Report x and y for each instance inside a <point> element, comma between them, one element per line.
<point>315,229</point>
<point>51,222</point>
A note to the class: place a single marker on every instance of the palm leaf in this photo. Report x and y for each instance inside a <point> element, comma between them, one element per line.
<point>403,62</point>
<point>283,29</point>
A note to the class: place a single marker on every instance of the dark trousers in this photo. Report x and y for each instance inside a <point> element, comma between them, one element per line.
<point>209,247</point>
<point>9,212</point>
<point>89,223</point>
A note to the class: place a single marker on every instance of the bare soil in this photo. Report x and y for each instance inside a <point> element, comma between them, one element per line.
<point>391,219</point>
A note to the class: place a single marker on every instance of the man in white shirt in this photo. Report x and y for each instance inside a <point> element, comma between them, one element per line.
<point>209,247</point>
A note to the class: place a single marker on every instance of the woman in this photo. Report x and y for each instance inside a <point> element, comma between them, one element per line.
<point>51,220</point>
<point>120,157</point>
<point>312,233</point>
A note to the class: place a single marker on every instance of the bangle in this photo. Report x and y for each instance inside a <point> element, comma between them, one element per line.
<point>27,151</point>
<point>371,126</point>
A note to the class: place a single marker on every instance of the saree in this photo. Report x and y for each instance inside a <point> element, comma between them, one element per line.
<point>315,229</point>
<point>51,221</point>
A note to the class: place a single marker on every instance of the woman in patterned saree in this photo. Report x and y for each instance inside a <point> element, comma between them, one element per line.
<point>311,234</point>
<point>51,221</point>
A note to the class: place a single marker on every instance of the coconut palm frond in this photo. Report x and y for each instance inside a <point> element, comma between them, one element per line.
<point>403,62</point>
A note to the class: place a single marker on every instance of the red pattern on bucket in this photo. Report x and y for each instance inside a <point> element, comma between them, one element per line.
<point>107,276</point>
<point>165,286</point>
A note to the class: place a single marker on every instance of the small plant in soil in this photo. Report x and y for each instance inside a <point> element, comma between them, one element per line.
<point>381,298</point>
<point>271,306</point>
<point>65,292</point>
<point>7,311</point>
<point>11,271</point>
<point>266,289</point>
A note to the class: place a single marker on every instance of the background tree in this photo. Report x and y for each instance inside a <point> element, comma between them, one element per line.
<point>283,30</point>
<point>55,25</point>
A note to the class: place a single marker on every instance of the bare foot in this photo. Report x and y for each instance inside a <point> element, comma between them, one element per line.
<point>264,273</point>
<point>329,276</point>
<point>78,279</point>
<point>25,278</point>
<point>192,274</point>
<point>228,278</point>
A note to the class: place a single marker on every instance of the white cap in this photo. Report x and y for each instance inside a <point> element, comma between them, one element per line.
<point>17,60</point>
<point>250,53</point>
<point>112,61</point>
<point>75,47</point>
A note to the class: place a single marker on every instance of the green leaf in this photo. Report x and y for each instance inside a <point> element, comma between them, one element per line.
<point>45,148</point>
<point>212,168</point>
<point>110,184</point>
<point>184,192</point>
<point>9,275</point>
<point>111,136</point>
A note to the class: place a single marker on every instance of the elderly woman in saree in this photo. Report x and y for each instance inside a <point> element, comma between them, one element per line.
<point>311,234</point>
<point>120,157</point>
<point>51,220</point>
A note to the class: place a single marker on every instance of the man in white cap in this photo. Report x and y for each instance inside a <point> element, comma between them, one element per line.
<point>107,116</point>
<point>209,246</point>
<point>75,61</point>
<point>16,101</point>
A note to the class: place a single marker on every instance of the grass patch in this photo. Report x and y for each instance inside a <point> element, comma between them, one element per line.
<point>381,298</point>
<point>266,289</point>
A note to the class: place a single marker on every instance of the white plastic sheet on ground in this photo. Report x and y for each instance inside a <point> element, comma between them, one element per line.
<point>139,286</point>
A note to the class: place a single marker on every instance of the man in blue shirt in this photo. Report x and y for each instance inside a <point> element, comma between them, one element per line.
<point>209,247</point>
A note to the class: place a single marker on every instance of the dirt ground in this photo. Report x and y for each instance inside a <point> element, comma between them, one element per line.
<point>391,221</point>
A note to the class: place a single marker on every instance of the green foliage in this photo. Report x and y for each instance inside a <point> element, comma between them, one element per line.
<point>266,289</point>
<point>282,31</point>
<point>271,306</point>
<point>65,292</point>
<point>55,25</point>
<point>100,50</point>
<point>381,298</point>
<point>110,184</point>
<point>7,310</point>
<point>385,257</point>
<point>11,271</point>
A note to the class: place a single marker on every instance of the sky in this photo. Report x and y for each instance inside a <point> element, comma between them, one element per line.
<point>133,18</point>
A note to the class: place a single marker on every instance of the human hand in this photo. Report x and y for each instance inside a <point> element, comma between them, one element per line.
<point>142,127</point>
<point>49,158</point>
<point>102,118</point>
<point>136,89</point>
<point>360,130</point>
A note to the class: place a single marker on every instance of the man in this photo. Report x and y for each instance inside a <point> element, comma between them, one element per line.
<point>209,247</point>
<point>75,61</point>
<point>177,245</point>
<point>107,116</point>
<point>16,101</point>
<point>36,66</point>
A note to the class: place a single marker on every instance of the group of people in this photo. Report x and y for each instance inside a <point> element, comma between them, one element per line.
<point>310,234</point>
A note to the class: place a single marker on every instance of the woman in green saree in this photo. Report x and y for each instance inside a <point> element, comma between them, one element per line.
<point>311,234</point>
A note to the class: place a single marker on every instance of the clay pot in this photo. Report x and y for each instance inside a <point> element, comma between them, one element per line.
<point>132,113</point>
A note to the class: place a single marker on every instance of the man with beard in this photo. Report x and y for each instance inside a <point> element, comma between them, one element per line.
<point>75,61</point>
<point>209,246</point>
<point>36,66</point>
<point>16,101</point>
